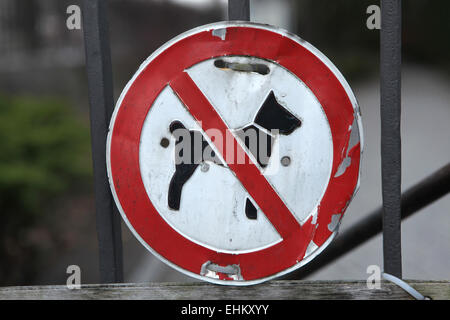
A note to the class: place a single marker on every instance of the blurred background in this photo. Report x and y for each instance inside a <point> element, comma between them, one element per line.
<point>46,189</point>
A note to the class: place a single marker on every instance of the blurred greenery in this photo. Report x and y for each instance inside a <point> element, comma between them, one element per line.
<point>44,153</point>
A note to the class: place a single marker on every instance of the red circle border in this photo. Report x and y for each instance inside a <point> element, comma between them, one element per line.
<point>126,126</point>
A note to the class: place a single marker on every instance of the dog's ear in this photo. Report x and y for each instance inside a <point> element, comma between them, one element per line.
<point>175,125</point>
<point>273,115</point>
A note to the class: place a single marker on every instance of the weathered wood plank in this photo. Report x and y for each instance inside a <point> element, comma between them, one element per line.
<point>274,290</point>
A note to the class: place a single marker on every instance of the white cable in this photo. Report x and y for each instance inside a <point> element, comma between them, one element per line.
<point>405,286</point>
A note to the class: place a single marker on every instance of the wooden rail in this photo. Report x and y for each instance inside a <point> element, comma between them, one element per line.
<point>273,290</point>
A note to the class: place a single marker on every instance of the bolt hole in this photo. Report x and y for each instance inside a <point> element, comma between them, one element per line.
<point>242,67</point>
<point>204,167</point>
<point>285,161</point>
<point>164,142</point>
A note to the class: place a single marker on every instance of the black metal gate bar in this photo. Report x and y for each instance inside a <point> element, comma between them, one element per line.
<point>99,70</point>
<point>390,72</point>
<point>239,10</point>
<point>417,197</point>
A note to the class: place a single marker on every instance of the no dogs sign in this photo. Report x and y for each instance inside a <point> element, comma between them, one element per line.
<point>234,151</point>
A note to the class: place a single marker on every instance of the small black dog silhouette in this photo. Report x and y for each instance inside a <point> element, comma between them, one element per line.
<point>270,116</point>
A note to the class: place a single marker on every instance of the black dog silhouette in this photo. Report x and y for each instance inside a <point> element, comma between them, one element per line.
<point>270,116</point>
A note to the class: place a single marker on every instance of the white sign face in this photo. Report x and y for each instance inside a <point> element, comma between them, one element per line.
<point>234,152</point>
<point>212,206</point>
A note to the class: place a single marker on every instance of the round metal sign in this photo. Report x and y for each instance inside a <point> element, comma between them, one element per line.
<point>234,151</point>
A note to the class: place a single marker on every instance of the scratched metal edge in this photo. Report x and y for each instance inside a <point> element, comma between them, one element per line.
<point>210,27</point>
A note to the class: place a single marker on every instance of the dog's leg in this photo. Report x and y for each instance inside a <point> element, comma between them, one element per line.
<point>182,174</point>
<point>185,143</point>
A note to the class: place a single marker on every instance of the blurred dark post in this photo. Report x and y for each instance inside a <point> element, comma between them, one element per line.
<point>239,10</point>
<point>390,46</point>
<point>99,71</point>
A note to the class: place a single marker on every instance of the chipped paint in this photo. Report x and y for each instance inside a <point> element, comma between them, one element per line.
<point>343,166</point>
<point>310,249</point>
<point>335,219</point>
<point>352,141</point>
<point>220,33</point>
<point>212,270</point>
<point>354,135</point>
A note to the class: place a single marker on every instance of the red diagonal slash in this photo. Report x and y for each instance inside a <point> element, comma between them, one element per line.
<point>248,173</point>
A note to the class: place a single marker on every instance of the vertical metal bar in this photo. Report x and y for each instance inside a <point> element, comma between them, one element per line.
<point>239,10</point>
<point>390,45</point>
<point>99,71</point>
